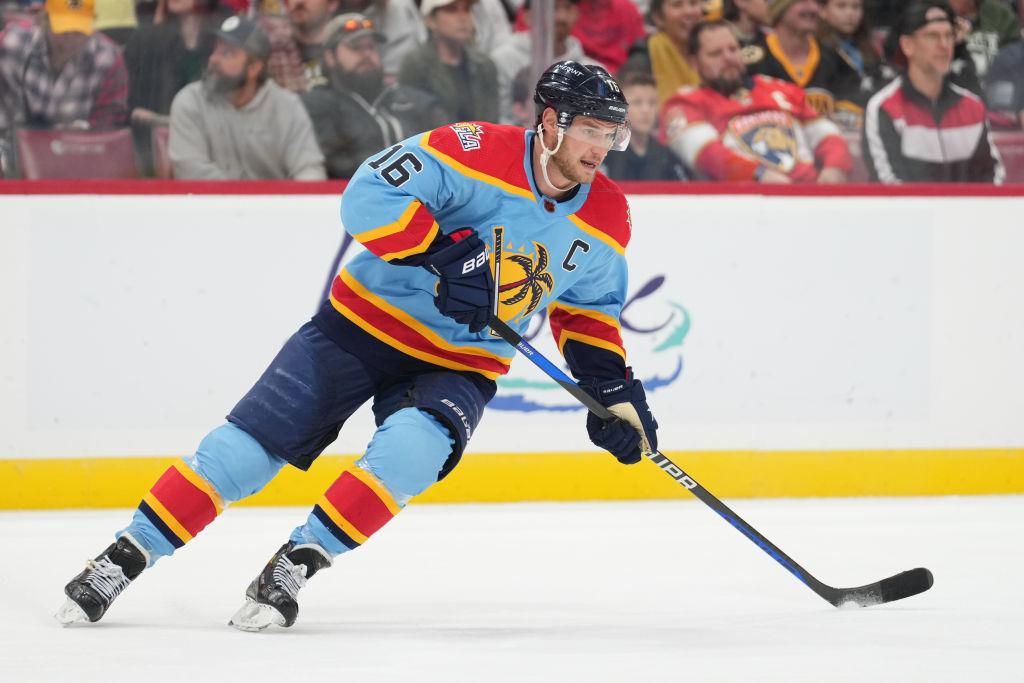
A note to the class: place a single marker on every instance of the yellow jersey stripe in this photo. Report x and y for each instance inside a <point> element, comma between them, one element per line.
<point>391,228</point>
<point>418,249</point>
<point>408,320</point>
<point>592,341</point>
<point>599,234</point>
<point>587,312</point>
<point>472,173</point>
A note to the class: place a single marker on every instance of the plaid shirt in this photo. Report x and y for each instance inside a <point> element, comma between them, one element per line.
<point>92,87</point>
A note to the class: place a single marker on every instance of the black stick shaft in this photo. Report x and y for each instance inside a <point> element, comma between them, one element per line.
<point>669,467</point>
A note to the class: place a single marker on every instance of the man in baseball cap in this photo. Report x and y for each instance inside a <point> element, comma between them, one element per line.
<point>236,123</point>
<point>793,53</point>
<point>355,114</point>
<point>71,16</point>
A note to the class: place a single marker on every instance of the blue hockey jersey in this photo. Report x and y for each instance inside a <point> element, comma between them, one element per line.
<point>567,256</point>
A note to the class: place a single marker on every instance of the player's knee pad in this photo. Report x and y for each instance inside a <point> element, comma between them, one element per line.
<point>235,463</point>
<point>408,451</point>
<point>228,466</point>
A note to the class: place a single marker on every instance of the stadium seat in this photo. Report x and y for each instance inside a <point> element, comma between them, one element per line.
<point>76,154</point>
<point>161,158</point>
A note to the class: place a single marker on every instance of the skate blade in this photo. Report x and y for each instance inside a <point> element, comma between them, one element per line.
<point>70,613</point>
<point>253,616</point>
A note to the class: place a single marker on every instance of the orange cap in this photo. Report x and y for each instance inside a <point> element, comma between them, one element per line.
<point>71,15</point>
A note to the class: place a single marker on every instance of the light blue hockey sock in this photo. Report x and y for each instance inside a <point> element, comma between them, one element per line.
<point>402,460</point>
<point>228,465</point>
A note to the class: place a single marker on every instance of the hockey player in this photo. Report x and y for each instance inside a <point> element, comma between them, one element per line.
<point>459,223</point>
<point>739,127</point>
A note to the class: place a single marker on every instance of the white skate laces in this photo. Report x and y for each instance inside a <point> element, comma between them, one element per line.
<point>289,577</point>
<point>106,578</point>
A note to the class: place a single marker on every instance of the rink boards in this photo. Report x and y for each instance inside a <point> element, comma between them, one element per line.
<point>795,345</point>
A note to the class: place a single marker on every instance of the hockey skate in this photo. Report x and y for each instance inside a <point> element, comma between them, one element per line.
<point>272,597</point>
<point>103,579</point>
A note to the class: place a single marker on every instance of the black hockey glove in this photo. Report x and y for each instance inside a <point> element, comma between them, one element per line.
<point>634,430</point>
<point>466,290</point>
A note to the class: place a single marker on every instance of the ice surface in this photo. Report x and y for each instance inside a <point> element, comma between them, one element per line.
<point>543,592</point>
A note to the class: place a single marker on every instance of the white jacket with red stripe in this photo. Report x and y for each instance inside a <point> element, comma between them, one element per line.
<point>909,138</point>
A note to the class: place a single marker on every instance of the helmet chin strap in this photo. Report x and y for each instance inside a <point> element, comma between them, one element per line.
<point>548,153</point>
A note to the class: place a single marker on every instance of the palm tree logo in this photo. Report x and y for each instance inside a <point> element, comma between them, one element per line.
<point>533,283</point>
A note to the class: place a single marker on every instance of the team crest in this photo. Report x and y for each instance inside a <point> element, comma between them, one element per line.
<point>469,135</point>
<point>768,136</point>
<point>522,276</point>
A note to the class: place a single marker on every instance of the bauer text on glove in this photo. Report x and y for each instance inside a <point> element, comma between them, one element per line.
<point>465,292</point>
<point>634,431</point>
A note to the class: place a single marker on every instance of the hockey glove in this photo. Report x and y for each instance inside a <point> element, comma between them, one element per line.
<point>466,290</point>
<point>634,429</point>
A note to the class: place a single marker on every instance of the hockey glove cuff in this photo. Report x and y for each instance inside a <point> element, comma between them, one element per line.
<point>634,431</point>
<point>465,292</point>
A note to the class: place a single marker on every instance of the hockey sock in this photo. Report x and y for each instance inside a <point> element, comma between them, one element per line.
<point>354,507</point>
<point>229,465</point>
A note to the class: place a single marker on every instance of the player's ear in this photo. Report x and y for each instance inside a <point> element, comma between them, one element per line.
<point>550,120</point>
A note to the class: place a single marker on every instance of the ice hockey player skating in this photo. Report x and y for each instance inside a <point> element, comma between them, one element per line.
<point>493,220</point>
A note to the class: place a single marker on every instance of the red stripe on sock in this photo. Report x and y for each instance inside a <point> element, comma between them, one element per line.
<point>191,506</point>
<point>358,503</point>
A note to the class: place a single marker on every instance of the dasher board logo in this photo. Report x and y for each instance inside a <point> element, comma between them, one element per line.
<point>469,135</point>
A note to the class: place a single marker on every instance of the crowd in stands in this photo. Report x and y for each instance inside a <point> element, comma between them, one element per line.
<point>773,91</point>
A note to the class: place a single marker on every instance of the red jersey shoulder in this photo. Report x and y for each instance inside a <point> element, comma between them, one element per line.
<point>607,210</point>
<point>488,148</point>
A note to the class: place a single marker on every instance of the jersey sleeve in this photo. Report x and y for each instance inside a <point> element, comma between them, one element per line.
<point>390,203</point>
<point>585,323</point>
<point>585,317</point>
<point>823,135</point>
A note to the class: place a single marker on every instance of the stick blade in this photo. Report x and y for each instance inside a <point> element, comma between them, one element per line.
<point>902,585</point>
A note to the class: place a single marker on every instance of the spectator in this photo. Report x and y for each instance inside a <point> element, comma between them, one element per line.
<point>664,54</point>
<point>357,115</point>
<point>523,109</point>
<point>749,18</point>
<point>401,24</point>
<point>464,80</point>
<point>297,41</point>
<point>514,55</point>
<point>792,53</point>
<point>921,127</point>
<point>993,25</point>
<point>116,18</point>
<point>607,28</point>
<point>163,58</point>
<point>845,29</point>
<point>645,158</point>
<point>1005,87</point>
<point>491,25</point>
<point>238,124</point>
<point>737,127</point>
<point>61,73</point>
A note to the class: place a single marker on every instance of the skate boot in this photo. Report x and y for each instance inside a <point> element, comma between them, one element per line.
<point>272,597</point>
<point>91,592</point>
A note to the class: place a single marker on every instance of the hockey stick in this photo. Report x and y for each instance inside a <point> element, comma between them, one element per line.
<point>897,587</point>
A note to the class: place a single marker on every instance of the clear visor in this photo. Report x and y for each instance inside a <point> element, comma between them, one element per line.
<point>610,136</point>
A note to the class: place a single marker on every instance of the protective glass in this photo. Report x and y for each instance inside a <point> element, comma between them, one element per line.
<point>599,133</point>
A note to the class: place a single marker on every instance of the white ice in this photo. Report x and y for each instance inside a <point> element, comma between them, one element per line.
<point>658,591</point>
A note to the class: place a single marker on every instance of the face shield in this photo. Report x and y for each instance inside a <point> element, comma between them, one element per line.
<point>591,131</point>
